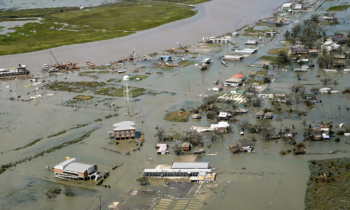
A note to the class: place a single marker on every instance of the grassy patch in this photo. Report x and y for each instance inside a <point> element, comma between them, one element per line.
<point>30,144</point>
<point>276,50</point>
<point>185,63</point>
<point>119,92</point>
<point>57,134</point>
<point>78,87</point>
<point>164,68</point>
<point>141,77</point>
<point>82,97</point>
<point>328,184</point>
<point>269,58</point>
<point>72,26</point>
<point>338,8</point>
<point>98,120</point>
<point>177,117</point>
<point>114,80</point>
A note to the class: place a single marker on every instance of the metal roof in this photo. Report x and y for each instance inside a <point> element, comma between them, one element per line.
<point>125,125</point>
<point>177,170</point>
<point>78,167</point>
<point>71,165</point>
<point>190,165</point>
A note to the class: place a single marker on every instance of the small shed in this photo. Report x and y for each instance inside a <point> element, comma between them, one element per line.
<point>223,115</point>
<point>268,115</point>
<point>260,114</point>
<point>288,132</point>
<point>313,51</point>
<point>325,136</point>
<point>196,116</point>
<point>298,6</point>
<point>251,42</point>
<point>166,58</point>
<point>218,88</point>
<point>186,146</point>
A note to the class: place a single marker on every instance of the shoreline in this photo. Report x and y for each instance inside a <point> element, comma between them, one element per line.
<point>90,48</point>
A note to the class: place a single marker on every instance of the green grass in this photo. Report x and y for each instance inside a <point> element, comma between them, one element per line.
<point>176,117</point>
<point>138,76</point>
<point>329,192</point>
<point>185,63</point>
<point>82,97</point>
<point>116,80</point>
<point>186,1</point>
<point>119,92</point>
<point>276,50</point>
<point>78,87</point>
<point>93,24</point>
<point>269,58</point>
<point>338,8</point>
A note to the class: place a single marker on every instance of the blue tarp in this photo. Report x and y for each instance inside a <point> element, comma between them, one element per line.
<point>138,134</point>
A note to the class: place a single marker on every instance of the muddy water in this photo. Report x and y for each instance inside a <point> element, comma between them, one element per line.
<point>269,181</point>
<point>214,18</point>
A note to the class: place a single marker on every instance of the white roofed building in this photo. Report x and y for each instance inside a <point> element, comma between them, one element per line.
<point>124,130</point>
<point>71,169</point>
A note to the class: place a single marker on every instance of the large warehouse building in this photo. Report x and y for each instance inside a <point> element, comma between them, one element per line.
<point>71,169</point>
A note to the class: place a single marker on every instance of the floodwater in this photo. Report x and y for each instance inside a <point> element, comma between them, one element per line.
<point>261,180</point>
<point>213,18</point>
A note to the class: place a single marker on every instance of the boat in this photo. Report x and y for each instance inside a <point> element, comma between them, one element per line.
<point>52,69</point>
<point>45,67</point>
<point>121,71</point>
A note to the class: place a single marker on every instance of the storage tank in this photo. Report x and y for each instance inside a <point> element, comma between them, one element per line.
<point>126,78</point>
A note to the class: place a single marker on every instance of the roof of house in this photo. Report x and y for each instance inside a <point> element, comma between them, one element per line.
<point>223,114</point>
<point>238,76</point>
<point>338,38</point>
<point>233,80</point>
<point>219,125</point>
<point>268,113</point>
<point>260,113</point>
<point>125,125</point>
<point>287,130</point>
<point>186,144</point>
<point>190,165</point>
<point>298,49</point>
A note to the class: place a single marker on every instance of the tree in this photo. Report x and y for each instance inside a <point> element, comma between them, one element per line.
<point>314,90</point>
<point>160,134</point>
<point>326,80</point>
<point>283,57</point>
<point>177,150</point>
<point>256,102</point>
<point>298,75</point>
<point>243,125</point>
<point>250,88</point>
<point>315,18</point>
<point>194,138</point>
<point>143,181</point>
<point>287,35</point>
<point>295,87</point>
<point>325,61</point>
<point>296,29</point>
<point>267,80</point>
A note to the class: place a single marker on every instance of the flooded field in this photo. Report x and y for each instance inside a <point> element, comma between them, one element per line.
<point>42,125</point>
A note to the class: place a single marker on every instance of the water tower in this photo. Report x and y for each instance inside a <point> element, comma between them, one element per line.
<point>127,93</point>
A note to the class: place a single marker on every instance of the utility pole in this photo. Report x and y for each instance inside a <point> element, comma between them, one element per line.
<point>100,202</point>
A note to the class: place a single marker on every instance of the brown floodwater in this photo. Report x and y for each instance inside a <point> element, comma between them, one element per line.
<point>260,180</point>
<point>213,18</point>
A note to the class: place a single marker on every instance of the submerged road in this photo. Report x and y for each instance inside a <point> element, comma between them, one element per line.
<point>214,18</point>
